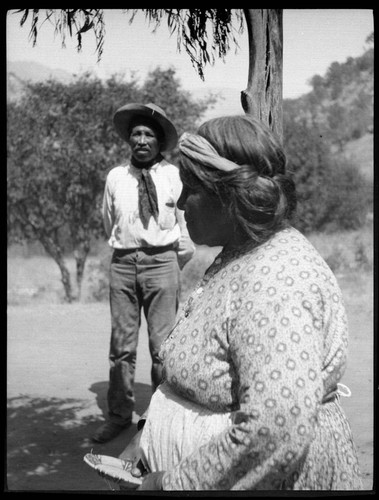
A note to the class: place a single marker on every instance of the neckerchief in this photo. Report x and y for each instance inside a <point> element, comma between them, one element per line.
<point>147,198</point>
<point>147,195</point>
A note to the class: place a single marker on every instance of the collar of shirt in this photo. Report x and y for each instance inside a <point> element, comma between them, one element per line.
<point>137,170</point>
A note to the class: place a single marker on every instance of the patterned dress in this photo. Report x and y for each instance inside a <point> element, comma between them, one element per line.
<point>259,347</point>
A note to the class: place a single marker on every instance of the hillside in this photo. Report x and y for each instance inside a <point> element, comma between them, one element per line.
<point>345,91</point>
<point>228,101</point>
<point>35,72</point>
<point>361,152</point>
<point>20,72</point>
<point>340,103</point>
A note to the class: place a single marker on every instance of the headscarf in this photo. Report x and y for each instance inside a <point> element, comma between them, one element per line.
<point>199,150</point>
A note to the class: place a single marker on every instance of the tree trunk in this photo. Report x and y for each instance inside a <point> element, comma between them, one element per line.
<point>56,253</point>
<point>263,96</point>
<point>80,254</point>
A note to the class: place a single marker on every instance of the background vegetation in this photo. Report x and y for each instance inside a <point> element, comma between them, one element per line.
<point>61,144</point>
<point>60,135</point>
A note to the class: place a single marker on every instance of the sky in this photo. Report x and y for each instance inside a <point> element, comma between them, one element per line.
<point>312,40</point>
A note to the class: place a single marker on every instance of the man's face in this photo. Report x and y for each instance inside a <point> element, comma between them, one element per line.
<point>144,143</point>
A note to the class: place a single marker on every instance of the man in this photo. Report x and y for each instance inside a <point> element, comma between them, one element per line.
<point>151,244</point>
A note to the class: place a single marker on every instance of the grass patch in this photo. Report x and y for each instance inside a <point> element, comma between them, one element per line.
<point>36,280</point>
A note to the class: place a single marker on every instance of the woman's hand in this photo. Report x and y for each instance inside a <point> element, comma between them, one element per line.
<point>138,469</point>
<point>133,452</point>
<point>152,481</point>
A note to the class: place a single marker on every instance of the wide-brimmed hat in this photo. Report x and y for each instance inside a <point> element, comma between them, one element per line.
<point>125,114</point>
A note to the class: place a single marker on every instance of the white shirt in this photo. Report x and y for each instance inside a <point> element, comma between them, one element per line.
<point>122,223</point>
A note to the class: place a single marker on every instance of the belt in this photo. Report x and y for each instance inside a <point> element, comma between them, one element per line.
<point>148,250</point>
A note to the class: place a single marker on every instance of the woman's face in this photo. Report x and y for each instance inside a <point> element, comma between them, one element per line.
<point>206,218</point>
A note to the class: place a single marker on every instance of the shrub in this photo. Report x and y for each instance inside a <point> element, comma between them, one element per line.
<point>362,260</point>
<point>348,199</point>
<point>337,259</point>
<point>332,192</point>
<point>98,280</point>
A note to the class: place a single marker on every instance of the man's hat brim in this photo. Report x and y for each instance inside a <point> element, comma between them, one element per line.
<point>127,113</point>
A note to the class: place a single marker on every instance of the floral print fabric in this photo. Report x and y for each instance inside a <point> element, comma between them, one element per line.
<point>264,336</point>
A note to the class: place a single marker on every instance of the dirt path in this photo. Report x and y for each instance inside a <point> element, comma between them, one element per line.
<point>57,381</point>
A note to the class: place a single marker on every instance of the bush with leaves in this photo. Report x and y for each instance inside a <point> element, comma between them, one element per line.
<point>61,144</point>
<point>349,197</point>
<point>332,193</point>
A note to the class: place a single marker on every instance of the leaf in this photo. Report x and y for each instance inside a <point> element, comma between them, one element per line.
<point>86,26</point>
<point>24,17</point>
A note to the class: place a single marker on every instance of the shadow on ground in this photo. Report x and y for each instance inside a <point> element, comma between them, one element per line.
<point>47,439</point>
<point>142,391</point>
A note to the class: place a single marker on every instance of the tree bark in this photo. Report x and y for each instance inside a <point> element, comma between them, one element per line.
<point>56,253</point>
<point>263,97</point>
<point>80,254</point>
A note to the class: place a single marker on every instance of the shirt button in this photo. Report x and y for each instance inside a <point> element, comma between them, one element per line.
<point>199,291</point>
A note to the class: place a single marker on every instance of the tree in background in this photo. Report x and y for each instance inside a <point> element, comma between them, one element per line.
<point>163,88</point>
<point>61,144</point>
<point>306,155</point>
<point>338,124</point>
<point>340,104</point>
<point>332,192</point>
<point>263,94</point>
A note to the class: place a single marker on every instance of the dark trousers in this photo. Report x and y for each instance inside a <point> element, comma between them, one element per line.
<point>148,279</point>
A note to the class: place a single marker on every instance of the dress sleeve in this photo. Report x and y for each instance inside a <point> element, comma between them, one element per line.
<point>275,354</point>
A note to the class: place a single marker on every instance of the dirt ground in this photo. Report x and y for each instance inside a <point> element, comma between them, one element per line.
<point>57,374</point>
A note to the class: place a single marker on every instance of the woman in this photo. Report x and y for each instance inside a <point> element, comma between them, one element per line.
<point>250,398</point>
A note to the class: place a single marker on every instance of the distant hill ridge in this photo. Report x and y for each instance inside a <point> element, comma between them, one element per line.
<point>341,103</point>
<point>35,72</point>
<point>20,72</point>
<point>341,100</point>
<point>348,84</point>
